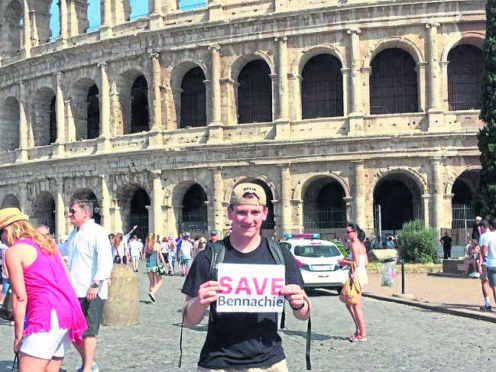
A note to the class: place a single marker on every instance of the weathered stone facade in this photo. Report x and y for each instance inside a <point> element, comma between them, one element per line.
<point>49,157</point>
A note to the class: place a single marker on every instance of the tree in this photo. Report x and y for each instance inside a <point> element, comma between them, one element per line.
<point>485,201</point>
<point>419,244</point>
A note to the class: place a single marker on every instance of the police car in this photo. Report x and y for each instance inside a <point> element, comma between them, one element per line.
<point>317,260</point>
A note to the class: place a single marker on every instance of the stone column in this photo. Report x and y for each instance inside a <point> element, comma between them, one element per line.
<point>215,127</point>
<point>60,219</point>
<point>444,86</point>
<point>35,38</point>
<point>63,20</point>
<point>218,201</point>
<point>71,127</point>
<point>360,183</point>
<point>286,215</point>
<point>283,129</point>
<point>438,198</point>
<point>23,125</point>
<point>425,204</point>
<point>104,102</point>
<point>356,116</point>
<point>421,96</point>
<point>157,196</point>
<point>155,14</point>
<point>156,81</point>
<point>60,112</point>
<point>349,208</point>
<point>27,31</point>
<point>434,103</point>
<point>106,24</point>
<point>106,202</point>
<point>215,10</point>
<point>346,73</point>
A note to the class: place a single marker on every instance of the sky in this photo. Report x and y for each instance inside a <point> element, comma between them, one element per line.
<point>139,8</point>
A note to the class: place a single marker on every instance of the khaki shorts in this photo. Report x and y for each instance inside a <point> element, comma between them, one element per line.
<point>278,367</point>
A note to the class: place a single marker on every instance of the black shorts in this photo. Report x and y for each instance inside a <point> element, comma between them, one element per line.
<point>93,311</point>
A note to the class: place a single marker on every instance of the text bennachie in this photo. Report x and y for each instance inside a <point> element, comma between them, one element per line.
<point>268,288</point>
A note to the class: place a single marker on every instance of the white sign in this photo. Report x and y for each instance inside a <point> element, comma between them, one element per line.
<point>250,288</point>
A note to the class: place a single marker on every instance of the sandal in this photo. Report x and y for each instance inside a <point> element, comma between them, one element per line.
<point>353,337</point>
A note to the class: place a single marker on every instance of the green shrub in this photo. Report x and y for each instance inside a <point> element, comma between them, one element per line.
<point>341,247</point>
<point>418,244</point>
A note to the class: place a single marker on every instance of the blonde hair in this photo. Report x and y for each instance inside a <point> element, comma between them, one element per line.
<point>150,242</point>
<point>23,229</point>
<point>118,239</point>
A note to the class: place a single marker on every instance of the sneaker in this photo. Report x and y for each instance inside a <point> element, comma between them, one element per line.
<point>95,368</point>
<point>476,275</point>
<point>152,297</point>
<point>486,308</point>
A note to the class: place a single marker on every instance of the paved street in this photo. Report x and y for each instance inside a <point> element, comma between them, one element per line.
<point>400,338</point>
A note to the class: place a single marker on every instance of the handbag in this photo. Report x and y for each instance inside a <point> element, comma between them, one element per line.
<point>160,268</point>
<point>6,308</point>
<point>350,294</point>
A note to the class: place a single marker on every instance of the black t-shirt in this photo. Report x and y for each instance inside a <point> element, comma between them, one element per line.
<point>240,340</point>
<point>446,241</point>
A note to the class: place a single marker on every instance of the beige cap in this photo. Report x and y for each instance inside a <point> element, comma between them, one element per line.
<point>248,193</point>
<point>10,215</point>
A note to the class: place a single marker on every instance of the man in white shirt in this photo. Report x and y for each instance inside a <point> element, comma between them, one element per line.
<point>89,256</point>
<point>185,252</point>
<point>135,251</point>
<point>488,252</point>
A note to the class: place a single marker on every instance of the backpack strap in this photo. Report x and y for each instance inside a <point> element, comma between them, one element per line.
<point>276,252</point>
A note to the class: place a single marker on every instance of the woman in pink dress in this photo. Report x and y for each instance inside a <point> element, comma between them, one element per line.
<point>47,313</point>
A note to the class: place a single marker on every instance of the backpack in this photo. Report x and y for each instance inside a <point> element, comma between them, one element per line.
<point>218,253</point>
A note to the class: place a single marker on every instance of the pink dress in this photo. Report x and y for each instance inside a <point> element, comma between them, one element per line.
<point>48,288</point>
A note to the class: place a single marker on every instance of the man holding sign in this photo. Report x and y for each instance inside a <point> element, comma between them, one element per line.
<point>245,294</point>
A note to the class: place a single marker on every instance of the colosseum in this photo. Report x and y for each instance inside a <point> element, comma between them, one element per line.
<point>341,109</point>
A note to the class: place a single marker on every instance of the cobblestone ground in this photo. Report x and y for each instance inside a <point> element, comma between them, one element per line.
<point>400,338</point>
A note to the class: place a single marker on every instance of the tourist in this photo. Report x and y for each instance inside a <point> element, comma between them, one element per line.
<point>172,255</point>
<point>185,254</point>
<point>488,250</point>
<point>153,259</point>
<point>241,341</point>
<point>483,264</point>
<point>47,312</point>
<point>120,250</point>
<point>165,248</point>
<point>89,256</point>
<point>358,255</point>
<point>446,242</point>
<point>135,252</point>
<point>477,230</point>
<point>473,251</point>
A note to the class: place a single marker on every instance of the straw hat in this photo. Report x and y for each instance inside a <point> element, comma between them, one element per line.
<point>10,215</point>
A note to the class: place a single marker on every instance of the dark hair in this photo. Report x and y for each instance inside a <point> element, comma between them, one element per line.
<point>356,228</point>
<point>86,205</point>
<point>110,236</point>
<point>485,223</point>
<point>353,226</point>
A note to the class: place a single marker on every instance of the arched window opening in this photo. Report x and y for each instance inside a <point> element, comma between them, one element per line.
<point>322,87</point>
<point>393,83</point>
<point>465,67</point>
<point>255,93</point>
<point>43,211</point>
<point>10,201</point>
<point>140,117</point>
<point>324,206</point>
<point>462,205</point>
<point>194,212</point>
<point>9,123</point>
<point>13,28</point>
<point>396,201</point>
<point>193,99</point>
<point>53,120</point>
<point>139,213</point>
<point>93,112</point>
<point>44,116</point>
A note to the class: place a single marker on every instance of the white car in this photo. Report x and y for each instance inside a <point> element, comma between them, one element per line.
<point>318,261</point>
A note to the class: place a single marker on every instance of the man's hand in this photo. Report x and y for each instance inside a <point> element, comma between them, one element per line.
<point>92,293</point>
<point>294,294</point>
<point>209,292</point>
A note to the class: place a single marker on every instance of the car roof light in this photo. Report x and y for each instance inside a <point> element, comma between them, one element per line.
<point>304,236</point>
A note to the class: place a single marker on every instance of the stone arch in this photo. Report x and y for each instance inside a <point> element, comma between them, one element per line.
<point>134,202</point>
<point>79,105</point>
<point>397,187</point>
<point>190,207</point>
<point>241,62</point>
<point>125,78</point>
<point>395,42</point>
<point>324,205</point>
<point>43,115</point>
<point>43,210</point>
<point>455,175</point>
<point>463,189</point>
<point>13,27</point>
<point>470,38</point>
<point>308,54</point>
<point>177,75</point>
<point>9,123</point>
<point>11,201</point>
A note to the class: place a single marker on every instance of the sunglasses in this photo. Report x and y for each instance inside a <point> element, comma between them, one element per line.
<point>350,231</point>
<point>72,211</point>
